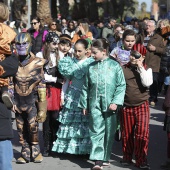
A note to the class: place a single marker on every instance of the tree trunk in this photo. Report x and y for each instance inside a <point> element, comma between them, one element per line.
<point>64,8</point>
<point>53,9</point>
<point>33,8</point>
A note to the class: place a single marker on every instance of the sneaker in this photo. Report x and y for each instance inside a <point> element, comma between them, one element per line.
<point>98,165</point>
<point>126,162</point>
<point>7,100</point>
<point>144,166</point>
<point>106,163</point>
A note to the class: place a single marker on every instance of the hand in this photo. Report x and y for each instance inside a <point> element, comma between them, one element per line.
<point>41,116</point>
<point>84,111</point>
<point>15,109</point>
<point>82,29</point>
<point>61,102</point>
<point>140,61</point>
<point>113,107</point>
<point>151,47</point>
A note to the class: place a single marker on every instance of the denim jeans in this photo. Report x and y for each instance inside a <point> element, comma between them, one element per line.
<point>6,155</point>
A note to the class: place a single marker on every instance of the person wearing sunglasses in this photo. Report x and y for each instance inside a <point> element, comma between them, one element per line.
<point>135,113</point>
<point>29,98</point>
<point>38,33</point>
<point>54,27</point>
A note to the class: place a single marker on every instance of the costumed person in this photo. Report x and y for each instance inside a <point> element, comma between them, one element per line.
<point>135,113</point>
<point>102,93</point>
<point>7,35</point>
<point>8,67</point>
<point>121,54</point>
<point>64,48</point>
<point>53,84</point>
<point>30,99</point>
<point>73,133</point>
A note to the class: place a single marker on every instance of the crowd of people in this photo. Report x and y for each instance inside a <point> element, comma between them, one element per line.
<point>83,81</point>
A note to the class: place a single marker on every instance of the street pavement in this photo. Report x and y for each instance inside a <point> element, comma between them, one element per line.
<point>156,152</point>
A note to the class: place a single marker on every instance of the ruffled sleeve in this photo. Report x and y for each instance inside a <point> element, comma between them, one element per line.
<point>82,68</point>
<point>66,67</point>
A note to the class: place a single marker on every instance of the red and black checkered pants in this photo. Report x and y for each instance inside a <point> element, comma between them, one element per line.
<point>135,132</point>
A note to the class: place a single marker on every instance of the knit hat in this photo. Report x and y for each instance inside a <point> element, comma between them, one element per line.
<point>52,37</point>
<point>140,48</point>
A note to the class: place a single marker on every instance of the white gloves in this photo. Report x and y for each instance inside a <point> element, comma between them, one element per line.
<point>50,78</point>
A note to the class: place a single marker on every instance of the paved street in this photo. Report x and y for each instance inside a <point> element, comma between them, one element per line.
<point>156,154</point>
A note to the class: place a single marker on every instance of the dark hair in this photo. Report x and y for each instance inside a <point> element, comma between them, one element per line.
<point>128,32</point>
<point>101,44</point>
<point>65,39</point>
<point>83,42</point>
<point>36,18</point>
<point>135,54</point>
<point>58,26</point>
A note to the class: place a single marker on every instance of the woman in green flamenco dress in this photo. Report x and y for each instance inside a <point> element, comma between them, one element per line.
<point>73,134</point>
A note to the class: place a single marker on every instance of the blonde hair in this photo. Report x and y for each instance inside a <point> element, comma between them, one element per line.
<point>165,22</point>
<point>85,27</point>
<point>4,12</point>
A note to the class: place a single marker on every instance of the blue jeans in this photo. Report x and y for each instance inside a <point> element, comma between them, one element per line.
<point>6,155</point>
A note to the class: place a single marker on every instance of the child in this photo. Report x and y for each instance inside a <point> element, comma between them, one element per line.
<point>135,114</point>
<point>121,54</point>
<point>64,48</point>
<point>7,35</point>
<point>73,133</point>
<point>53,85</point>
<point>103,91</point>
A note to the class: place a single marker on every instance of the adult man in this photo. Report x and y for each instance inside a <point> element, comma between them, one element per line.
<point>155,48</point>
<point>29,92</point>
<point>109,28</point>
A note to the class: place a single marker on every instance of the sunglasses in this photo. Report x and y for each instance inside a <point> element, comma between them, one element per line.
<point>34,23</point>
<point>53,24</point>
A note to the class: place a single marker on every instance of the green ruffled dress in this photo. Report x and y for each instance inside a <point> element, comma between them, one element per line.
<point>73,134</point>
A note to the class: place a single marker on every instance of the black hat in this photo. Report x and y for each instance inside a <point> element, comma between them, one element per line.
<point>52,37</point>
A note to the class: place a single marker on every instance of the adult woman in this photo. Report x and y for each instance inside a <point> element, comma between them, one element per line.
<point>54,27</point>
<point>82,32</point>
<point>38,34</point>
<point>70,28</point>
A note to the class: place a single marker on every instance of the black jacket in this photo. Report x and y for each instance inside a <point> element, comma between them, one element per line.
<point>10,65</point>
<point>37,42</point>
<point>165,60</point>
